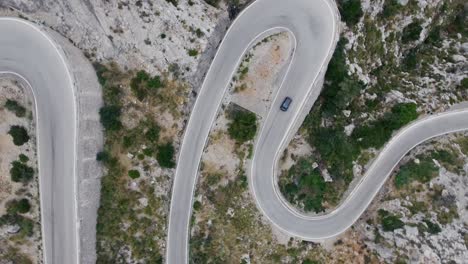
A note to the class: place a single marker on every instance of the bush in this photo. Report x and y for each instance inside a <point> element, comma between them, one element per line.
<point>390,222</point>
<point>243,126</point>
<point>152,134</point>
<point>173,2</point>
<point>134,174</point>
<point>310,187</point>
<point>19,134</point>
<point>338,150</point>
<point>110,117</point>
<point>23,158</point>
<point>18,206</point>
<point>464,84</point>
<point>197,205</point>
<point>100,72</point>
<point>411,32</point>
<point>192,52</point>
<point>390,8</point>
<point>112,95</point>
<point>351,11</point>
<point>103,156</point>
<point>432,228</point>
<point>26,225</point>
<point>142,84</point>
<point>378,132</point>
<point>165,156</point>
<point>422,172</point>
<point>21,172</point>
<point>15,107</point>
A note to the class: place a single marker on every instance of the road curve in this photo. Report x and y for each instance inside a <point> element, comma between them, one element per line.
<point>314,228</point>
<point>313,27</point>
<point>30,55</point>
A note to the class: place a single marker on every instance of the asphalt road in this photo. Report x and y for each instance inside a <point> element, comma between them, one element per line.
<point>28,53</point>
<point>313,24</point>
<point>315,228</point>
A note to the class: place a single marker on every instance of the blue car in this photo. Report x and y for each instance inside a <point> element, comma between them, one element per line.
<point>286,103</point>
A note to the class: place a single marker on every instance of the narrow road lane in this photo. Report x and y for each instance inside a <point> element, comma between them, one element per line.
<point>29,54</point>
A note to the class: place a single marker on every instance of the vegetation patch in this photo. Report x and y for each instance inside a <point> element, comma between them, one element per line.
<point>422,171</point>
<point>18,206</point>
<point>19,134</point>
<point>351,11</point>
<point>411,32</point>
<point>124,224</point>
<point>304,186</point>
<point>21,172</point>
<point>389,221</point>
<point>165,155</point>
<point>377,133</point>
<point>243,126</point>
<point>15,107</point>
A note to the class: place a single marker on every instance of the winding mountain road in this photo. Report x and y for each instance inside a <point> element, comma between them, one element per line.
<point>313,26</point>
<point>31,56</point>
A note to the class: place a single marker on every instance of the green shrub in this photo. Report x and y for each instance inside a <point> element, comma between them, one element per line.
<point>243,126</point>
<point>350,11</point>
<point>411,32</point>
<point>390,222</point>
<point>148,152</point>
<point>26,225</point>
<point>411,59</point>
<point>100,72</point>
<point>15,107</point>
<point>422,172</point>
<point>464,84</point>
<point>18,206</point>
<point>192,52</point>
<point>23,158</point>
<point>197,205</point>
<point>110,117</point>
<point>103,156</point>
<point>377,133</point>
<point>152,134</point>
<point>338,150</point>
<point>155,82</point>
<point>390,8</point>
<point>20,172</point>
<point>19,135</point>
<point>112,95</point>
<point>173,2</point>
<point>134,174</point>
<point>142,84</point>
<point>165,156</point>
<point>432,228</point>
<point>305,184</point>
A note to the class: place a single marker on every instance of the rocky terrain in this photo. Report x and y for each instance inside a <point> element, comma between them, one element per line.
<point>20,229</point>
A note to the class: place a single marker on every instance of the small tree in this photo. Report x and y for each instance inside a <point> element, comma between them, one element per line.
<point>19,135</point>
<point>411,32</point>
<point>351,11</point>
<point>15,107</point>
<point>110,117</point>
<point>134,174</point>
<point>165,156</point>
<point>243,126</point>
<point>192,52</point>
<point>20,172</point>
<point>18,206</point>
